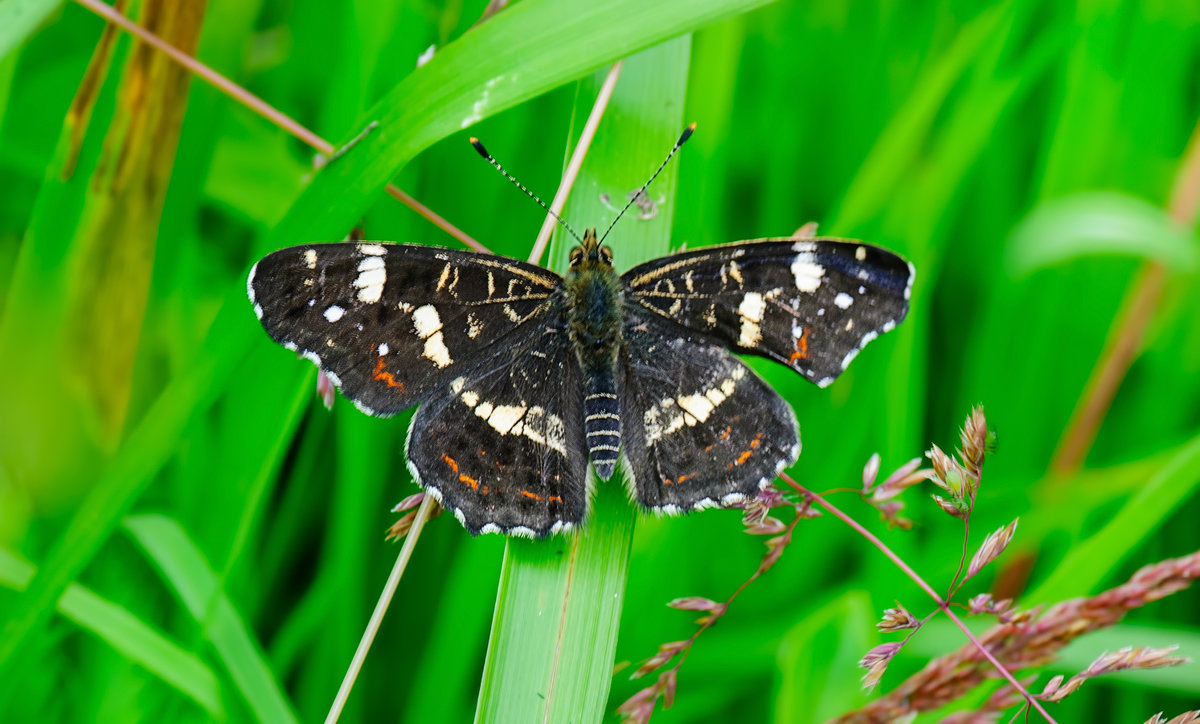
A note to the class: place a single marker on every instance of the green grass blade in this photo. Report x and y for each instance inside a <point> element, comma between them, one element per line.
<point>127,634</point>
<point>146,450</point>
<point>812,689</point>
<point>1099,222</point>
<point>1091,560</point>
<point>553,641</point>
<point>184,567</point>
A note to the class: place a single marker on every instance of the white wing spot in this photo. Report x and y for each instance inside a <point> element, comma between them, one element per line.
<point>504,417</point>
<point>310,258</point>
<point>860,253</point>
<point>698,406</point>
<point>843,300</point>
<point>334,313</point>
<point>426,320</point>
<point>470,398</point>
<point>384,349</point>
<point>688,410</point>
<point>371,249</point>
<point>807,273</point>
<point>371,277</point>
<point>436,352</point>
<point>751,310</point>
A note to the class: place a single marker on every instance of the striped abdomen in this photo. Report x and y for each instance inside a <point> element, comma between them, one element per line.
<point>602,424</point>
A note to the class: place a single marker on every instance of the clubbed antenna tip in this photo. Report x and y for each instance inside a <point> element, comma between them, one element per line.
<point>687,133</point>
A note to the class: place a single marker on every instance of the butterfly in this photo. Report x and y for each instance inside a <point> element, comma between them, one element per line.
<point>528,379</point>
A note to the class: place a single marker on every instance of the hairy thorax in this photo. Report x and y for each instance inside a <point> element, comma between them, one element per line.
<point>594,314</point>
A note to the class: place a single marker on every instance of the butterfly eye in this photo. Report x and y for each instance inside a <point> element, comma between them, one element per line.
<point>607,254</point>
<point>575,254</point>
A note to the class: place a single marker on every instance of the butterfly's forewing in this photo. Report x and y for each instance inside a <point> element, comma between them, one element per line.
<point>811,304</point>
<point>700,427</point>
<point>390,323</point>
<point>503,447</point>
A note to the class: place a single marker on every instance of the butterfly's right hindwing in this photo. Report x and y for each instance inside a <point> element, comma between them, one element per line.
<point>503,447</point>
<point>390,323</point>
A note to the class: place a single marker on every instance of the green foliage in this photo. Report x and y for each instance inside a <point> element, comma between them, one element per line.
<point>185,535</point>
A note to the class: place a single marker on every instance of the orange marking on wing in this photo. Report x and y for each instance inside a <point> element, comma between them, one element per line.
<point>746,454</point>
<point>383,375</point>
<point>554,499</point>
<point>528,494</point>
<point>801,348</point>
<point>462,477</point>
<point>725,432</point>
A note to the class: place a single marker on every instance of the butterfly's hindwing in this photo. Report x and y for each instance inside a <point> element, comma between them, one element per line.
<point>700,428</point>
<point>503,447</point>
<point>391,322</point>
<point>811,304</point>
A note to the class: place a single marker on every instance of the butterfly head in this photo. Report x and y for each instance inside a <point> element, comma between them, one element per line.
<point>590,253</point>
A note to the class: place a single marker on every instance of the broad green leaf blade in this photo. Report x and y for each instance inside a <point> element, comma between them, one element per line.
<point>1099,222</point>
<point>554,634</point>
<point>126,633</point>
<point>19,19</point>
<point>526,50</point>
<point>187,572</point>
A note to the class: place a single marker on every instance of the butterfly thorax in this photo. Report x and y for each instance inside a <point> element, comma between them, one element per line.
<point>594,311</point>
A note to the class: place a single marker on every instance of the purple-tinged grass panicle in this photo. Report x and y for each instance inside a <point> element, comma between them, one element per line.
<point>1031,640</point>
<point>876,662</point>
<point>1125,659</point>
<point>325,389</point>
<point>991,548</point>
<point>882,497</point>
<point>400,528</point>
<point>897,619</point>
<point>984,604</point>
<point>1185,718</point>
<point>757,521</point>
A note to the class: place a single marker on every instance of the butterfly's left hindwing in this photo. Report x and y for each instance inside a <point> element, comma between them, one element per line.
<point>390,323</point>
<point>811,304</point>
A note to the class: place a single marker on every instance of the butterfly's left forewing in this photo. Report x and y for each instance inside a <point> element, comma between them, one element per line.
<point>391,323</point>
<point>811,304</point>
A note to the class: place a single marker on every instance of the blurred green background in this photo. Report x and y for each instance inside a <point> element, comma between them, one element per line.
<point>219,533</point>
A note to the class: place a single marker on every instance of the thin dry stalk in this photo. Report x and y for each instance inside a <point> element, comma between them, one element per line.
<point>264,109</point>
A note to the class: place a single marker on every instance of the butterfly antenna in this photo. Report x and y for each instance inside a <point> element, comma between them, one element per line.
<point>490,159</point>
<point>687,133</point>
